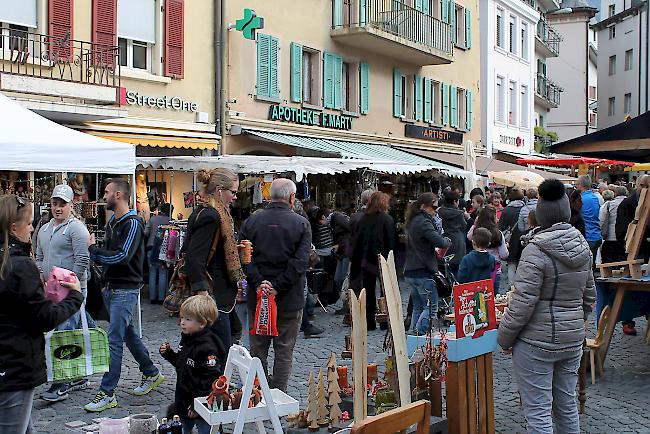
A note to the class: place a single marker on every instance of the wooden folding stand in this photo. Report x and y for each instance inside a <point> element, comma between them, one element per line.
<point>359,354</point>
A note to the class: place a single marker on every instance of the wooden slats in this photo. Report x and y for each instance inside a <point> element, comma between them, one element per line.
<point>470,399</point>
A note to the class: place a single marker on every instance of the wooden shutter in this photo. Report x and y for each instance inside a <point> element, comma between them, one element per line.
<point>397,93</point>
<point>328,80</point>
<point>296,72</point>
<point>263,61</point>
<point>274,68</point>
<point>338,82</point>
<point>174,38</point>
<point>417,82</point>
<point>452,20</point>
<point>427,100</point>
<point>364,80</point>
<point>337,14</point>
<point>468,28</point>
<point>469,110</point>
<point>453,106</point>
<point>104,29</point>
<point>60,28</point>
<point>445,11</point>
<point>445,103</point>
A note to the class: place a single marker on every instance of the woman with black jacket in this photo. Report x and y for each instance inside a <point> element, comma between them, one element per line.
<point>374,235</point>
<point>454,223</point>
<point>215,267</point>
<point>25,315</point>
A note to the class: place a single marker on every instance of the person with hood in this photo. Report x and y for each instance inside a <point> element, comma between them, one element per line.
<point>454,223</point>
<point>544,325</point>
<point>522,223</point>
<point>508,224</point>
<point>62,243</point>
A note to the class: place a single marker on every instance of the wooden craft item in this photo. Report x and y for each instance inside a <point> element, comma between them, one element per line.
<point>396,321</point>
<point>312,403</point>
<point>342,373</point>
<point>382,312</point>
<point>359,354</point>
<point>322,412</point>
<point>333,391</point>
<point>347,353</point>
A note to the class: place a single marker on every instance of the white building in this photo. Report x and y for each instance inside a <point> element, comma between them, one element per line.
<point>508,70</point>
<point>622,61</point>
<point>574,70</point>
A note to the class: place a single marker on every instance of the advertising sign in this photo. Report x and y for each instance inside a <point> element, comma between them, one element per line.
<point>474,308</point>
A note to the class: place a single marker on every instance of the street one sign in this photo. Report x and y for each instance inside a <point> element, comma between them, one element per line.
<point>433,134</point>
<point>309,117</point>
<point>161,102</point>
<point>249,24</point>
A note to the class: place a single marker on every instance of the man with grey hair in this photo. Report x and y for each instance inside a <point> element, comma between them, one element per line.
<point>590,211</point>
<point>530,205</point>
<point>602,188</point>
<point>281,243</point>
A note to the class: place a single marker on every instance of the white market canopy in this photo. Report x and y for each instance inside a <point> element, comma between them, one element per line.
<point>30,142</point>
<point>254,164</point>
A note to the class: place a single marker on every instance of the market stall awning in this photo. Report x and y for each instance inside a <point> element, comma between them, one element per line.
<point>160,141</point>
<point>571,162</point>
<point>385,156</point>
<point>29,142</point>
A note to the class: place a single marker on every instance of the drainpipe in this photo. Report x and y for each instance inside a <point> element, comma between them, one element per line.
<point>647,42</point>
<point>217,68</point>
<point>638,110</point>
<point>224,71</point>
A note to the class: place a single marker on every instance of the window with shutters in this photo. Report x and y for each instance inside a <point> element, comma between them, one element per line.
<point>435,8</point>
<point>332,81</point>
<point>524,106</point>
<point>436,102</point>
<point>175,38</point>
<point>135,54</point>
<point>136,33</point>
<point>524,41</point>
<point>629,60</point>
<point>311,76</point>
<point>512,46</point>
<point>501,99</point>
<point>593,120</point>
<point>350,86</point>
<point>627,104</point>
<point>611,106</point>
<point>593,93</point>
<point>611,30</point>
<point>612,65</point>
<point>512,103</point>
<point>267,67</point>
<point>500,29</point>
<point>459,23</point>
<point>104,27</point>
<point>14,37</point>
<point>461,94</point>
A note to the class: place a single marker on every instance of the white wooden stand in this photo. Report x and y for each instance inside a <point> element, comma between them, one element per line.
<point>274,404</point>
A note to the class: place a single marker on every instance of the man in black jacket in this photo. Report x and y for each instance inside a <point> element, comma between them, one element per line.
<point>123,260</point>
<point>281,244</point>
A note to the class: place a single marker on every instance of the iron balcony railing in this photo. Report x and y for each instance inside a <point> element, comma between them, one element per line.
<point>64,59</point>
<point>549,36</point>
<point>548,90</point>
<point>399,19</point>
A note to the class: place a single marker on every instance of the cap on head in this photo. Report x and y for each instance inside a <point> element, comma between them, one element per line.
<point>63,192</point>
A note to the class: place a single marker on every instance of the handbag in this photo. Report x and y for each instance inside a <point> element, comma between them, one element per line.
<point>74,354</point>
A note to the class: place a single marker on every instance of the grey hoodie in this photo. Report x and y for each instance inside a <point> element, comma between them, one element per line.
<point>63,246</point>
<point>554,291</point>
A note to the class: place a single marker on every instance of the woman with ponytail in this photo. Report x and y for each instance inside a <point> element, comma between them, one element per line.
<point>222,275</point>
<point>421,263</point>
<point>25,315</point>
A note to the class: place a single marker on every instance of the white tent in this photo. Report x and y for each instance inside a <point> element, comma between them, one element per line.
<point>30,142</point>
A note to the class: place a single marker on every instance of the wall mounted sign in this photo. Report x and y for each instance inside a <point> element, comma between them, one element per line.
<point>309,117</point>
<point>161,102</point>
<point>249,24</point>
<point>510,140</point>
<point>433,134</point>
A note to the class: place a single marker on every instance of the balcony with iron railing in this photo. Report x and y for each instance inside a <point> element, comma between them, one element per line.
<point>37,64</point>
<point>547,93</point>
<point>393,28</point>
<point>547,40</point>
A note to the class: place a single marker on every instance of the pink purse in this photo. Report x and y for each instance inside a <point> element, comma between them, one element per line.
<point>53,290</point>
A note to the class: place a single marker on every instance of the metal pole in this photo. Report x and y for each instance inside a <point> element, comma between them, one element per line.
<point>224,70</point>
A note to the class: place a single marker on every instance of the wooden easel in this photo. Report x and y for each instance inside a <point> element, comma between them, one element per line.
<point>633,239</point>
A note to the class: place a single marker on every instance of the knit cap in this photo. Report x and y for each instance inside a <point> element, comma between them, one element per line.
<point>553,204</point>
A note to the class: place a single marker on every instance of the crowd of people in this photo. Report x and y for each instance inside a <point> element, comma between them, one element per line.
<point>543,242</point>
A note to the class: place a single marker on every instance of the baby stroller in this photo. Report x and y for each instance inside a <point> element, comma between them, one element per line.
<point>445,281</point>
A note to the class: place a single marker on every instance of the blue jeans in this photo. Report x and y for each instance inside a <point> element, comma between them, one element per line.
<point>423,293</point>
<point>342,269</point>
<point>221,328</point>
<point>16,411</point>
<point>157,281</point>
<point>242,313</point>
<point>120,304</point>
<point>201,425</point>
<point>547,384</point>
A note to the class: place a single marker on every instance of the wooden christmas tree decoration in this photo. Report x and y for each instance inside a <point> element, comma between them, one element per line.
<point>322,401</point>
<point>312,403</point>
<point>333,390</point>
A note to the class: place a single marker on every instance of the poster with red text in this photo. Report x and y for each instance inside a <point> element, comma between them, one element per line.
<point>474,308</point>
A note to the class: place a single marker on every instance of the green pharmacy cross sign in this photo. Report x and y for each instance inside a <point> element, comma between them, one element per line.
<point>249,24</point>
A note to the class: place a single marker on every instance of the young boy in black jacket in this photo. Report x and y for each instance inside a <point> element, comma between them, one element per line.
<point>199,361</point>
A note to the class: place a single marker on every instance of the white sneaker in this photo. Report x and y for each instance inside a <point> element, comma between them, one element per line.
<point>101,402</point>
<point>148,383</point>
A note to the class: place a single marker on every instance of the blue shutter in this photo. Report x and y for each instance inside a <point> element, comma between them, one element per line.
<point>418,5</point>
<point>338,82</point>
<point>296,72</point>
<point>425,6</point>
<point>445,103</point>
<point>274,58</point>
<point>363,12</point>
<point>418,98</point>
<point>452,20</point>
<point>328,80</point>
<point>337,14</point>
<point>364,80</point>
<point>427,100</point>
<point>468,106</point>
<point>453,106</point>
<point>397,93</point>
<point>263,43</point>
<point>445,11</point>
<point>468,28</point>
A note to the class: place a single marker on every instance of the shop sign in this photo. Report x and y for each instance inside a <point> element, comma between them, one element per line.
<point>474,308</point>
<point>161,102</point>
<point>309,117</point>
<point>512,141</point>
<point>433,134</point>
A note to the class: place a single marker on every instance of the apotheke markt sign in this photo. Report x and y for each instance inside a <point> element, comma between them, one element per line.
<point>161,102</point>
<point>309,117</point>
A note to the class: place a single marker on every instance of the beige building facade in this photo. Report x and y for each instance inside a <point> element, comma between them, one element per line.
<point>401,73</point>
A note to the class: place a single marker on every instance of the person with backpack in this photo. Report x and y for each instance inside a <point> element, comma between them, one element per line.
<point>612,249</point>
<point>511,232</point>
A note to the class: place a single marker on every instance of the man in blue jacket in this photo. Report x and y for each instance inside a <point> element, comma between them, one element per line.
<point>590,214</point>
<point>122,259</point>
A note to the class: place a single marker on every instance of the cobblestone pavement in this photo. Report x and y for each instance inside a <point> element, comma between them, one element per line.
<point>617,403</point>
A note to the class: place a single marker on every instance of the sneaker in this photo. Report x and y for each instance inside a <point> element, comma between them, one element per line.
<point>312,330</point>
<point>628,328</point>
<point>101,402</point>
<point>59,391</point>
<point>148,383</point>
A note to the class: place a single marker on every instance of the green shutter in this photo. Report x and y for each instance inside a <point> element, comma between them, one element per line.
<point>296,72</point>
<point>364,80</point>
<point>274,49</point>
<point>363,12</point>
<point>397,93</point>
<point>418,98</point>
<point>445,11</point>
<point>427,100</point>
<point>452,20</point>
<point>337,14</point>
<point>328,80</point>
<point>468,28</point>
<point>338,82</point>
<point>425,6</point>
<point>453,106</point>
<point>468,106</point>
<point>418,5</point>
<point>263,42</point>
<point>445,103</point>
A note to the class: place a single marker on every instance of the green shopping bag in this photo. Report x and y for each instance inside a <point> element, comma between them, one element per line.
<point>74,354</point>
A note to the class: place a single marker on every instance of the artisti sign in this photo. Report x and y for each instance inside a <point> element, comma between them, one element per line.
<point>309,117</point>
<point>161,102</point>
<point>433,134</point>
